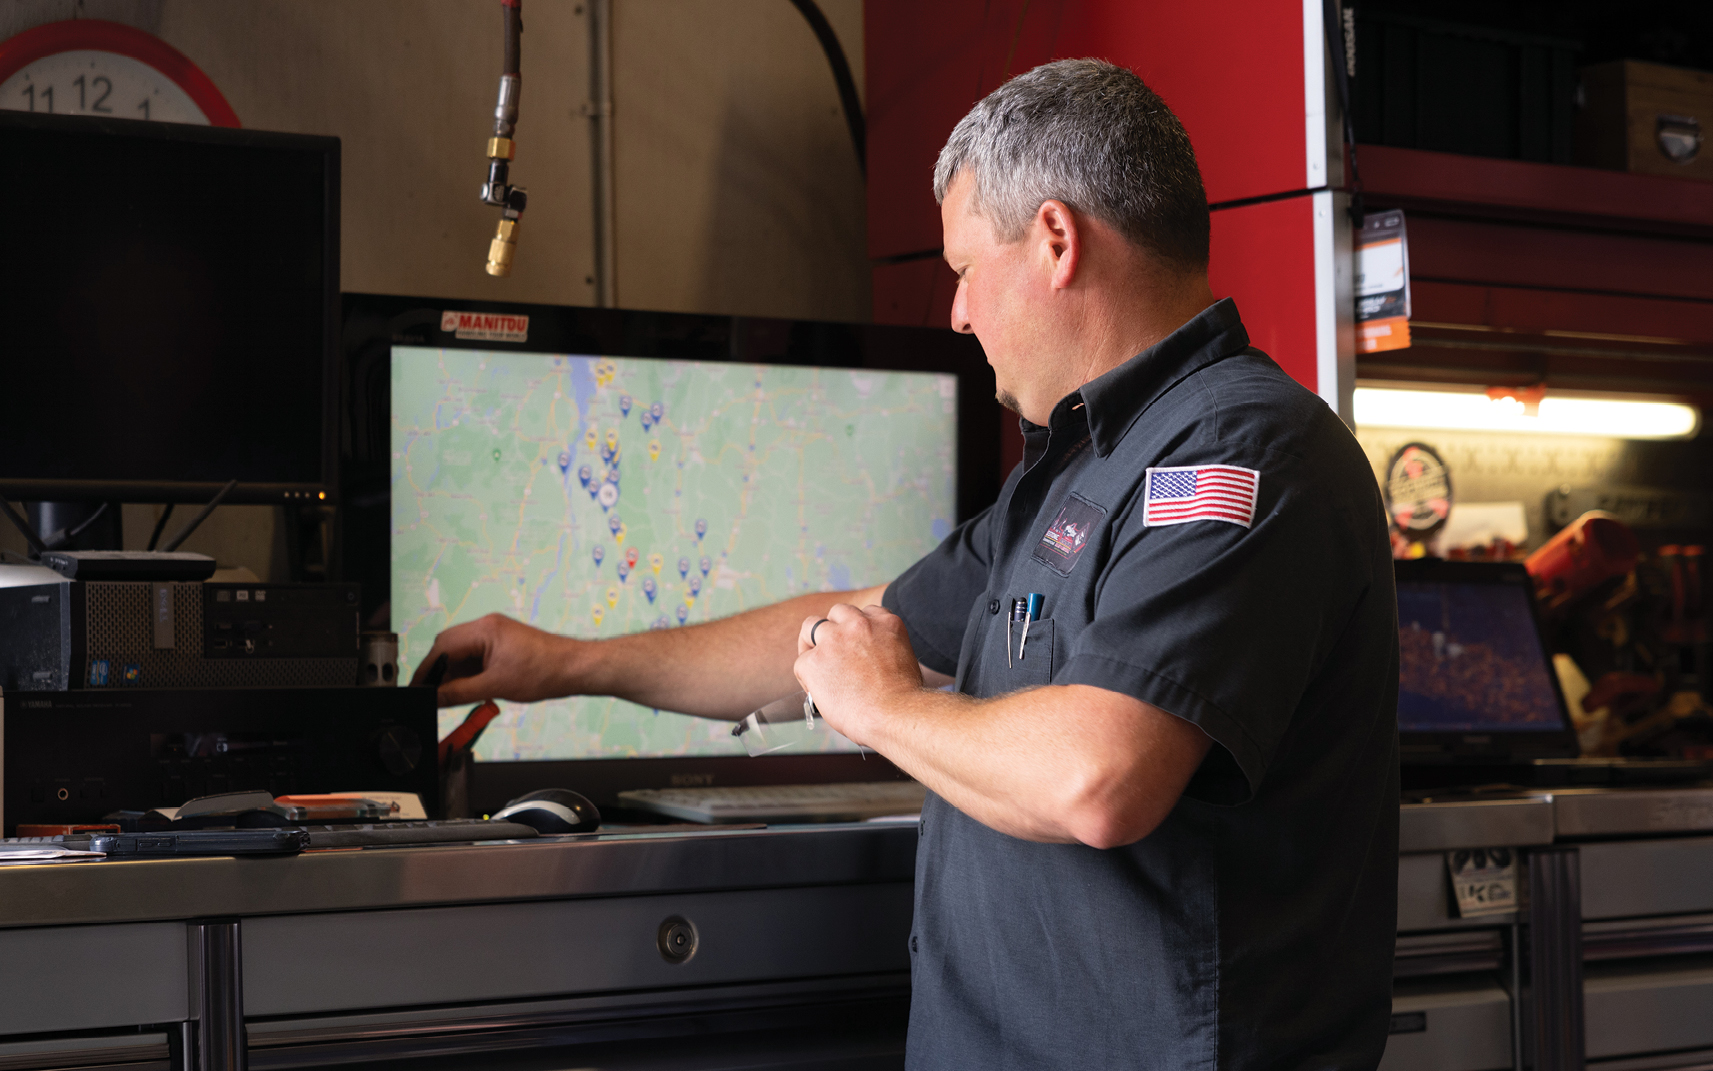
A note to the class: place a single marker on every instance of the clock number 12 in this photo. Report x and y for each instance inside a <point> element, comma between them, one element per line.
<point>100,82</point>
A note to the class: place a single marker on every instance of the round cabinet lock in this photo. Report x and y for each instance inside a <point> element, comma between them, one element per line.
<point>677,939</point>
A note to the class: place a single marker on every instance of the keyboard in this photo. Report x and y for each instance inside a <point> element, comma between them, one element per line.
<point>781,803</point>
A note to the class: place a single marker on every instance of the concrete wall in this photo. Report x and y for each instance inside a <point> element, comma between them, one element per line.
<point>737,189</point>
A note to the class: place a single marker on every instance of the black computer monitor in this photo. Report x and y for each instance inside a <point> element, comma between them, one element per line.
<point>1476,681</point>
<point>596,472</point>
<point>170,297</point>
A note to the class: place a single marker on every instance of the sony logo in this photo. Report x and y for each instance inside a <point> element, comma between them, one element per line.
<point>692,780</point>
<point>35,704</point>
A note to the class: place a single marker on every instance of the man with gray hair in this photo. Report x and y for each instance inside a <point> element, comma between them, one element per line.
<point>1162,832</point>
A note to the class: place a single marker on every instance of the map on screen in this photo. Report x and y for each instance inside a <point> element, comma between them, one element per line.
<point>596,496</point>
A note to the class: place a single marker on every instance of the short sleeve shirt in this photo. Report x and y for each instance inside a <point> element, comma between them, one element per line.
<point>1208,538</point>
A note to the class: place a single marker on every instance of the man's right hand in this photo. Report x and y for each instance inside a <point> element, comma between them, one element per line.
<point>496,657</point>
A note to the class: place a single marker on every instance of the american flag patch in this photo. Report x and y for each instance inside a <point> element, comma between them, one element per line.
<point>1200,493</point>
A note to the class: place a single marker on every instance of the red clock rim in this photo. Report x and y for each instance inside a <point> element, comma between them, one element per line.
<point>99,35</point>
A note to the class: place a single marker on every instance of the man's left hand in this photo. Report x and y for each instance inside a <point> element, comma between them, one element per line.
<point>858,660</point>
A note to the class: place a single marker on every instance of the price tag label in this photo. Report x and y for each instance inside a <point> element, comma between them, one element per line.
<point>1483,880</point>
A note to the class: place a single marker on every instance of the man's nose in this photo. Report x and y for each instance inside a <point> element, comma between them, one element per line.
<point>960,311</point>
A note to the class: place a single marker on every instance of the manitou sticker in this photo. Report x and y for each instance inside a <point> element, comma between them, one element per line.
<point>485,326</point>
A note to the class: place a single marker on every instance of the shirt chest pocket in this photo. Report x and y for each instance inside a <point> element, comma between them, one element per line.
<point>1010,660</point>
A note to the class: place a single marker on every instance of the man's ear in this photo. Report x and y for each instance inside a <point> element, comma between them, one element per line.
<point>1059,241</point>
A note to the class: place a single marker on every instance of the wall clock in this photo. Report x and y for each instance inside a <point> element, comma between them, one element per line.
<point>92,67</point>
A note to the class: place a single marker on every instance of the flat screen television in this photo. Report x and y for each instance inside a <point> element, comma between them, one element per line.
<point>170,295</point>
<point>596,472</point>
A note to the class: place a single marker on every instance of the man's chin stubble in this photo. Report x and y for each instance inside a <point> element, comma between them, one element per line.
<point>1009,400</point>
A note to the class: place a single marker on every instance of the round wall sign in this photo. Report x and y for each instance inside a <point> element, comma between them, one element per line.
<point>1418,491</point>
<point>92,67</point>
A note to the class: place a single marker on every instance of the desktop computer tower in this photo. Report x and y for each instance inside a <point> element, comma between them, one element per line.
<point>58,634</point>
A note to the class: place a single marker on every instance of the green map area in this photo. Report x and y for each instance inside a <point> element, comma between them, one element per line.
<point>597,496</point>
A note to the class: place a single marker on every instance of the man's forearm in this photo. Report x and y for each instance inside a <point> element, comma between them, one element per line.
<point>722,669</point>
<point>1058,764</point>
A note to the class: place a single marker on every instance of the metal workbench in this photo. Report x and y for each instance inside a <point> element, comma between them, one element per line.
<point>464,954</point>
<point>549,953</point>
<point>1606,963</point>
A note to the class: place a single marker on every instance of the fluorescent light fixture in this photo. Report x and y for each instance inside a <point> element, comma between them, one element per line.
<point>1396,407</point>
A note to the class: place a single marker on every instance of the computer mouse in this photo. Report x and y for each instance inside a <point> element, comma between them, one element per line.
<point>552,810</point>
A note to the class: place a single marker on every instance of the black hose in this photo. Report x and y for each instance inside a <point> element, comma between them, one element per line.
<point>841,75</point>
<point>514,35</point>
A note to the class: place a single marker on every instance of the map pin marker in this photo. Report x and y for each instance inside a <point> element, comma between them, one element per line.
<point>624,405</point>
<point>630,557</point>
<point>599,613</point>
<point>613,523</point>
<point>695,585</point>
<point>654,449</point>
<point>659,622</point>
<point>683,614</point>
<point>647,420</point>
<point>612,442</point>
<point>655,561</point>
<point>564,461</point>
<point>701,528</point>
<point>612,596</point>
<point>589,439</point>
<point>683,566</point>
<point>584,474</point>
<point>648,587</point>
<point>608,493</point>
<point>599,552</point>
<point>706,565</point>
<point>657,411</point>
<point>624,571</point>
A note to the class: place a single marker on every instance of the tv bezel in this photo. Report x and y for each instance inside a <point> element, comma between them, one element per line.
<point>374,323</point>
<point>169,490</point>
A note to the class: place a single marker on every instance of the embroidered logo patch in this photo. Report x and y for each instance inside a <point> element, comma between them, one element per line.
<point>1068,534</point>
<point>1201,493</point>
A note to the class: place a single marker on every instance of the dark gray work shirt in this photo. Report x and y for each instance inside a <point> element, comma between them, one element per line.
<point>1255,926</point>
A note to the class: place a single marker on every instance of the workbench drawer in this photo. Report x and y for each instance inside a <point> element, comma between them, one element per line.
<point>1632,878</point>
<point>299,964</point>
<point>1630,1010</point>
<point>1448,1026</point>
<point>62,978</point>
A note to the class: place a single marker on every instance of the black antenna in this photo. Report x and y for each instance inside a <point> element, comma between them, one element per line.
<point>184,533</point>
<point>160,526</point>
<point>23,525</point>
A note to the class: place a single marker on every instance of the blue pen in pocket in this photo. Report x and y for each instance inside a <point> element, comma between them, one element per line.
<point>1031,613</point>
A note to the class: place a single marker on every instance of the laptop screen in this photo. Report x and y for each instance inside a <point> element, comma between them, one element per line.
<point>1472,660</point>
